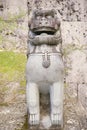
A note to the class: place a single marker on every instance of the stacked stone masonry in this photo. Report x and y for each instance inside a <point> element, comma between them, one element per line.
<point>73,17</point>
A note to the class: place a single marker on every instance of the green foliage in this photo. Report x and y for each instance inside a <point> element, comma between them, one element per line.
<point>12,67</point>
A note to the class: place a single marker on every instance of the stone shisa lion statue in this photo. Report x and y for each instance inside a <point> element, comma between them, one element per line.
<point>44,69</point>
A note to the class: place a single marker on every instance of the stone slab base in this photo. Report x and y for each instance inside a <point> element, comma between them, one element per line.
<point>41,128</point>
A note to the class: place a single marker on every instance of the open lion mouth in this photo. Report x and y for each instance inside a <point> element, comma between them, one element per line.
<point>45,32</point>
<point>48,31</point>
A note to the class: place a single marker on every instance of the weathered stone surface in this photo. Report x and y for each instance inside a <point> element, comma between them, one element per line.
<point>68,10</point>
<point>74,34</point>
<point>13,116</point>
<point>85,10</point>
<point>12,92</point>
<point>44,36</point>
<point>71,10</point>
<point>76,61</point>
<point>83,95</point>
<point>85,34</point>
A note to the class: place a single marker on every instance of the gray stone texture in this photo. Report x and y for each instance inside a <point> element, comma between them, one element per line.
<point>85,10</point>
<point>73,16</point>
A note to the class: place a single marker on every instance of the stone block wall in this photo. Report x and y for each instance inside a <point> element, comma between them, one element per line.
<point>13,25</point>
<point>73,17</point>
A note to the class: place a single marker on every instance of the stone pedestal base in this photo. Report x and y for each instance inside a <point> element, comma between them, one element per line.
<point>42,128</point>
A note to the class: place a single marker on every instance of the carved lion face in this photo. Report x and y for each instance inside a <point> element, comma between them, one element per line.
<point>44,21</point>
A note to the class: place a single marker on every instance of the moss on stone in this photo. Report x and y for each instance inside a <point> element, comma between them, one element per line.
<point>12,67</point>
<point>8,26</point>
<point>23,83</point>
